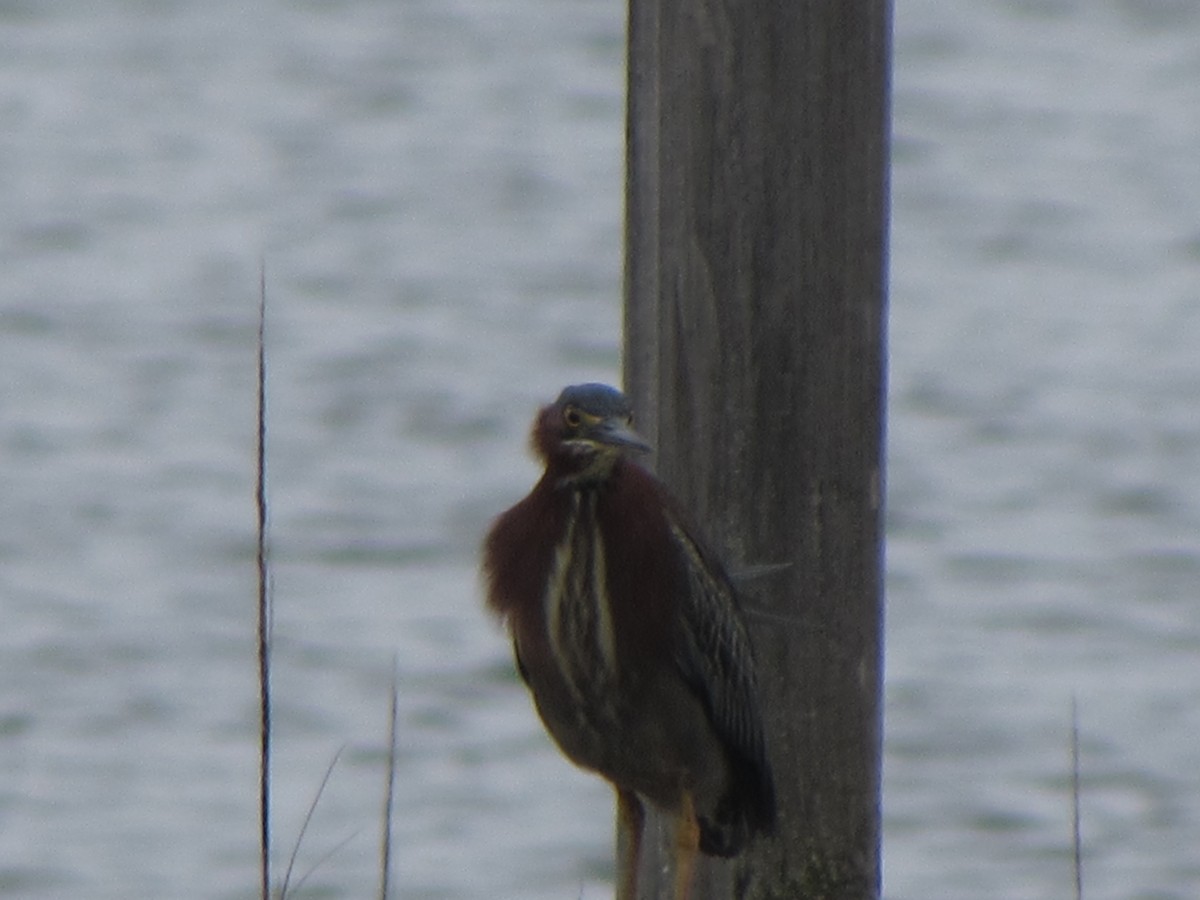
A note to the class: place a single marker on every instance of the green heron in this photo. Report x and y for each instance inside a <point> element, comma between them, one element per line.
<point>627,631</point>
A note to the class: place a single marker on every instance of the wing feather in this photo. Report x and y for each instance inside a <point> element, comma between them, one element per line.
<point>715,657</point>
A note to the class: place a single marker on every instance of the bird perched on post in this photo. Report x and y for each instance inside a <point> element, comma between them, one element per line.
<point>627,631</point>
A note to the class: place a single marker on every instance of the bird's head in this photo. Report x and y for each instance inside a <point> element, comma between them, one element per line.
<point>586,430</point>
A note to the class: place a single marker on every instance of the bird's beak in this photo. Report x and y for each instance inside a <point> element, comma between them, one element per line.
<point>616,433</point>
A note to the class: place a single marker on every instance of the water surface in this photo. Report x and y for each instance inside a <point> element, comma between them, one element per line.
<point>436,190</point>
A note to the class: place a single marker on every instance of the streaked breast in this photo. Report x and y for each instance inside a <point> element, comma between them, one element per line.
<point>578,611</point>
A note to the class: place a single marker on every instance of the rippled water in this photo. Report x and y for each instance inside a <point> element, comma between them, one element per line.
<point>435,188</point>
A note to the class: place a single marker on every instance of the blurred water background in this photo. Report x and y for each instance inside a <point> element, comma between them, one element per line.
<point>436,187</point>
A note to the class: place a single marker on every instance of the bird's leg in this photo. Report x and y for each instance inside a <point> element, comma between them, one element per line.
<point>687,845</point>
<point>631,818</point>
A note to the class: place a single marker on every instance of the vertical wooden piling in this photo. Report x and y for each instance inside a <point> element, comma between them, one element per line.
<point>755,315</point>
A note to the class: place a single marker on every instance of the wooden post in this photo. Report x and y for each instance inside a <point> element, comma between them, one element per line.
<point>755,314</point>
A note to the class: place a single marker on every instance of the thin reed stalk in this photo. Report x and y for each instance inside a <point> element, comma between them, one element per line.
<point>1076,839</point>
<point>312,808</point>
<point>264,610</point>
<point>385,850</point>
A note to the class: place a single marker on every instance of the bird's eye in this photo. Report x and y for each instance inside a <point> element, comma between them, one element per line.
<point>571,417</point>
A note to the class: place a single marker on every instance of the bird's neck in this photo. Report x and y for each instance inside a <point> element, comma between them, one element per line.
<point>584,473</point>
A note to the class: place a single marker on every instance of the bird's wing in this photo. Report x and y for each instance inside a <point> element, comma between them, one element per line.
<point>713,651</point>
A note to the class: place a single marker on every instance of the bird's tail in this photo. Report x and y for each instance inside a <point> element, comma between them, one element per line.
<point>746,810</point>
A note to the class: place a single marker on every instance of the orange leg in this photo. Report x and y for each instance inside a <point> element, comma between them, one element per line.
<point>687,845</point>
<point>631,818</point>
